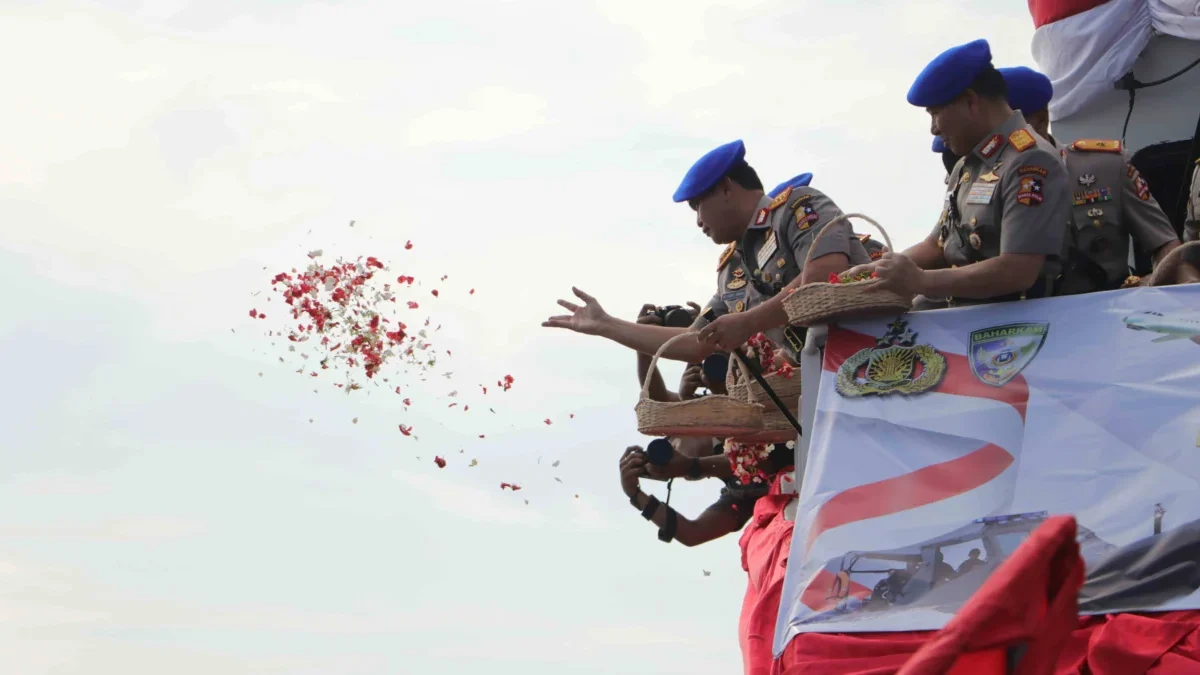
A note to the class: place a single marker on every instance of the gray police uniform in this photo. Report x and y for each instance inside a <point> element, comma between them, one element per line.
<point>772,253</point>
<point>1110,202</point>
<point>1191,226</point>
<point>1008,195</point>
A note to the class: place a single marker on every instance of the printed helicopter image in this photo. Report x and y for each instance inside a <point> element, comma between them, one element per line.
<point>1182,326</point>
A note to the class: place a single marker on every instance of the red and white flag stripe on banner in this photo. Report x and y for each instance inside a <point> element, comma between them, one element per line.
<point>963,441</point>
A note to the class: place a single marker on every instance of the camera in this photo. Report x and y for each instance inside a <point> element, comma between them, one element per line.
<point>659,452</point>
<point>715,367</point>
<point>674,316</point>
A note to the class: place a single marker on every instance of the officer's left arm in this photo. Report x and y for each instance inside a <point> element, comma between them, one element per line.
<point>1144,217</point>
<point>1035,216</point>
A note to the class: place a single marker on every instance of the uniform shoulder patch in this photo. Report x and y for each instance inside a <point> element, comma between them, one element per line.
<point>863,238</point>
<point>1021,140</point>
<point>1093,145</point>
<point>780,200</point>
<point>726,255</point>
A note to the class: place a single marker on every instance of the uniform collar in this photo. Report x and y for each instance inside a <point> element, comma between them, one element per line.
<point>989,149</point>
<point>763,203</point>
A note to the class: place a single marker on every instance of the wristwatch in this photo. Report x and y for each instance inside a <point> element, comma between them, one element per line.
<point>694,470</point>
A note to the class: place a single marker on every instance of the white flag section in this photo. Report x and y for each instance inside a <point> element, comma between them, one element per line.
<point>941,439</point>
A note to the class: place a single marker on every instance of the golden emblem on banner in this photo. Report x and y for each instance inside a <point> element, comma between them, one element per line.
<point>895,365</point>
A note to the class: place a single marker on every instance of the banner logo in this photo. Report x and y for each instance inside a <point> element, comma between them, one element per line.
<point>1000,353</point>
<point>895,365</point>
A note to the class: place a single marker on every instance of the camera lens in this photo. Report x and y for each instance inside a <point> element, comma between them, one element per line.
<point>715,367</point>
<point>677,317</point>
<point>659,451</point>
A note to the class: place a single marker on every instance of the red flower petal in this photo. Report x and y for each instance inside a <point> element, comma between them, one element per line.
<point>440,462</point>
<point>408,246</point>
<point>406,430</point>
<point>254,314</point>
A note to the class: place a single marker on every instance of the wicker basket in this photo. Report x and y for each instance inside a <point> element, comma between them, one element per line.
<point>823,302</point>
<point>1165,270</point>
<point>776,427</point>
<point>706,416</point>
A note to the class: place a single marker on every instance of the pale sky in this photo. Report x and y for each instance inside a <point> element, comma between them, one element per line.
<point>164,509</point>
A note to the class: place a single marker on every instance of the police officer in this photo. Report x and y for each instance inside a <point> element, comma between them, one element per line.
<point>1007,205</point>
<point>767,242</point>
<point>1110,200</point>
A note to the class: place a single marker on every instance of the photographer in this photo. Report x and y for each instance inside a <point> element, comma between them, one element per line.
<point>694,459</point>
<point>695,375</point>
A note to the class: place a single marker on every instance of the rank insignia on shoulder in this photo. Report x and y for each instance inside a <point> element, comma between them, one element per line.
<point>780,200</point>
<point>1132,171</point>
<point>863,238</point>
<point>726,255</point>
<point>993,144</point>
<point>1021,140</point>
<point>1093,145</point>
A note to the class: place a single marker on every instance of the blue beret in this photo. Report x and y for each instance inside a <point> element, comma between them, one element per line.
<point>949,74</point>
<point>709,169</point>
<point>938,144</point>
<point>1028,90</point>
<point>793,182</point>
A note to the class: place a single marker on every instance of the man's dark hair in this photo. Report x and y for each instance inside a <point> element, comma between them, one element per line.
<point>744,175</point>
<point>989,84</point>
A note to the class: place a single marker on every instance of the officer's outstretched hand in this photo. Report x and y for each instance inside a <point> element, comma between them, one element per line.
<point>586,319</point>
<point>728,332</point>
<point>896,272</point>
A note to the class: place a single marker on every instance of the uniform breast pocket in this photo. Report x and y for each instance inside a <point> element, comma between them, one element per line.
<point>981,231</point>
<point>1099,236</point>
<point>735,301</point>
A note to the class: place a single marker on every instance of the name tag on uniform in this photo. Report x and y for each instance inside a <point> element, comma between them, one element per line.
<point>732,295</point>
<point>981,193</point>
<point>768,249</point>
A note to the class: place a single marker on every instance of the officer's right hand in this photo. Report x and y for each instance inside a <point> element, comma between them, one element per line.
<point>586,319</point>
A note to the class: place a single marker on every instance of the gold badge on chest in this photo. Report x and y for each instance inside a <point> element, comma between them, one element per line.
<point>735,284</point>
<point>741,305</point>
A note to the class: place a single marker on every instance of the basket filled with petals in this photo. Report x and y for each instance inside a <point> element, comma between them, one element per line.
<point>712,415</point>
<point>781,375</point>
<point>842,297</point>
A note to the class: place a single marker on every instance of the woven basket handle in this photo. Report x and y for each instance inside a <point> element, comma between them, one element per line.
<point>1170,263</point>
<point>654,361</point>
<point>846,216</point>
<point>736,364</point>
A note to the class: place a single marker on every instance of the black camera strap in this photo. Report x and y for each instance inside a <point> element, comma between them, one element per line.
<point>753,368</point>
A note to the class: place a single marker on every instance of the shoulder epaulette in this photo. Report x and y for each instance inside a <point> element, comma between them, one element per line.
<point>726,255</point>
<point>863,238</point>
<point>1021,140</point>
<point>1093,145</point>
<point>780,200</point>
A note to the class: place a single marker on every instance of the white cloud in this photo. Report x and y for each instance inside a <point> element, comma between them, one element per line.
<point>489,113</point>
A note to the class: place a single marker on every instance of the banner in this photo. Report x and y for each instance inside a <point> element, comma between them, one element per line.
<point>939,440</point>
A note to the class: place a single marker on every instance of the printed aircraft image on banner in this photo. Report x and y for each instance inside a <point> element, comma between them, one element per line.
<point>940,440</point>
